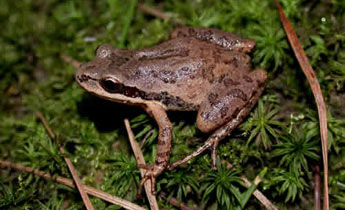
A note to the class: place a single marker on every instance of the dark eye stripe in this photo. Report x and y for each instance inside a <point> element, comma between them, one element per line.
<point>112,87</point>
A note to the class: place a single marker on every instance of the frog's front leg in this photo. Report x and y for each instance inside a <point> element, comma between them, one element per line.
<point>225,108</point>
<point>215,36</point>
<point>163,148</point>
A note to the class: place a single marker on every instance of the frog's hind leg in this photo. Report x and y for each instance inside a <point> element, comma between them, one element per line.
<point>213,141</point>
<point>225,125</point>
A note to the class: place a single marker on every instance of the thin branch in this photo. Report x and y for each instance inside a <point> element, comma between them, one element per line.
<point>261,197</point>
<point>157,13</point>
<point>146,137</point>
<point>71,168</point>
<point>175,202</point>
<point>70,60</point>
<point>67,182</point>
<point>315,86</point>
<point>141,161</point>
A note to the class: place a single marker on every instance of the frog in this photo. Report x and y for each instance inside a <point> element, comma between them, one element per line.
<point>200,69</point>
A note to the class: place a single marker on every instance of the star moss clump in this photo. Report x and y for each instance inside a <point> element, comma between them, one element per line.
<point>280,135</point>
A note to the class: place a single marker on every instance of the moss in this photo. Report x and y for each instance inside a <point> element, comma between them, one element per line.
<point>34,77</point>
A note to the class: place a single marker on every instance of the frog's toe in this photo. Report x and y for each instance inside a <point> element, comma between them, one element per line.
<point>152,171</point>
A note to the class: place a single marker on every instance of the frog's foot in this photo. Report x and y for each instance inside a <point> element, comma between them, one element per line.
<point>211,142</point>
<point>152,171</point>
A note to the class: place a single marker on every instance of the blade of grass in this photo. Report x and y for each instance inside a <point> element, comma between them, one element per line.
<point>141,161</point>
<point>90,190</point>
<point>71,168</point>
<point>127,23</point>
<point>315,86</point>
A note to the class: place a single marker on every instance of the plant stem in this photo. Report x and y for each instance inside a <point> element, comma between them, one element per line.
<point>315,87</point>
<point>141,161</point>
<point>70,166</point>
<point>90,190</point>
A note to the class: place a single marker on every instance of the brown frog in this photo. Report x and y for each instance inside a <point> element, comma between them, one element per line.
<point>198,69</point>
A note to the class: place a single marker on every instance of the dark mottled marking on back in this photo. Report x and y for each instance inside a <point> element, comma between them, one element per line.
<point>191,31</point>
<point>221,78</point>
<point>216,56</point>
<point>207,72</point>
<point>168,76</point>
<point>237,93</point>
<point>187,71</point>
<point>165,76</point>
<point>223,111</point>
<point>260,83</point>
<point>203,36</point>
<point>233,60</point>
<point>228,82</point>
<point>212,97</point>
<point>168,100</point>
<point>247,79</point>
<point>211,67</point>
<point>235,113</point>
<point>254,92</point>
<point>224,42</point>
<point>181,34</point>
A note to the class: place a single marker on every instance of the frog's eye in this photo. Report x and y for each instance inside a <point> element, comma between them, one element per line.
<point>110,85</point>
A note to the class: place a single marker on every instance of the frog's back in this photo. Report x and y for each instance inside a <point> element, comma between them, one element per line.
<point>185,69</point>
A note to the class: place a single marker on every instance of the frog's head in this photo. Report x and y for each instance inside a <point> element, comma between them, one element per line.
<point>105,76</point>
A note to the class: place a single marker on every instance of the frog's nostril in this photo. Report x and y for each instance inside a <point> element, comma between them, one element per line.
<point>83,78</point>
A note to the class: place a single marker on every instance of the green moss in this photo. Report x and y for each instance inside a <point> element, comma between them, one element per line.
<point>34,77</point>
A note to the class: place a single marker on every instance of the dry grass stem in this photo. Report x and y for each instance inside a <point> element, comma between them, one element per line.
<point>90,190</point>
<point>71,168</point>
<point>175,202</point>
<point>315,86</point>
<point>141,161</point>
<point>70,60</point>
<point>261,197</point>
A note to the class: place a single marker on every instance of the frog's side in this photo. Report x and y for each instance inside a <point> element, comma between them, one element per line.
<point>199,69</point>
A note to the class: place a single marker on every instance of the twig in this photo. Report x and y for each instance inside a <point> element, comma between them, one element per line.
<point>141,161</point>
<point>157,13</point>
<point>70,60</point>
<point>317,199</point>
<point>261,197</point>
<point>315,86</point>
<point>146,137</point>
<point>90,190</point>
<point>76,179</point>
<point>175,202</point>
